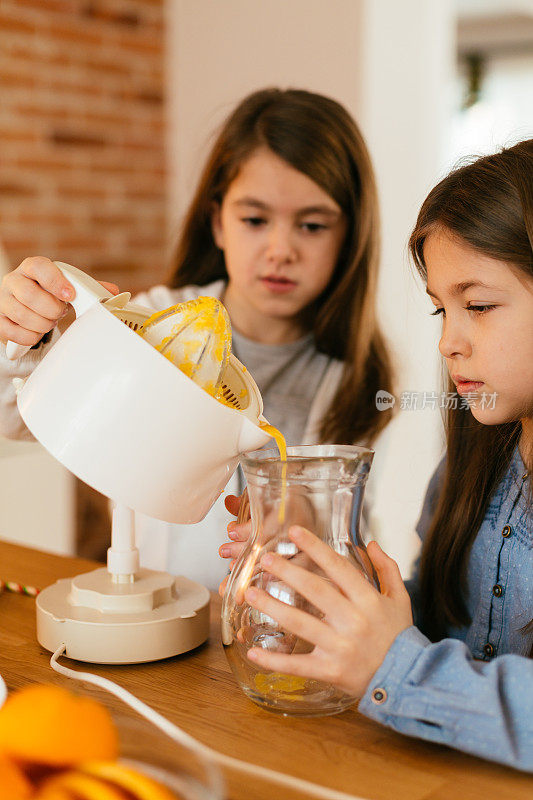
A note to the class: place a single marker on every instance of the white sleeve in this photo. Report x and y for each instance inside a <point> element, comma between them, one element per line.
<point>190,550</point>
<point>11,423</point>
<point>161,297</point>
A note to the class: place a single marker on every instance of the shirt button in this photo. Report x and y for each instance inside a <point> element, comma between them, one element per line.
<point>497,590</point>
<point>488,649</point>
<point>507,531</point>
<point>379,696</point>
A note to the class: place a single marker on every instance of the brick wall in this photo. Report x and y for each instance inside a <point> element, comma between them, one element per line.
<point>82,175</point>
<point>82,162</point>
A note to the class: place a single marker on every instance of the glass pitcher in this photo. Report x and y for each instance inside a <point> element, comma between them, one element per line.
<point>321,488</point>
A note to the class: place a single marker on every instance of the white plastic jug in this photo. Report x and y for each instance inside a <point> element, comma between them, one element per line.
<point>129,423</point>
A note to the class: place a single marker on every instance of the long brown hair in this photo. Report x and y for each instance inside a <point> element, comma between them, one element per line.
<point>316,136</point>
<point>489,205</point>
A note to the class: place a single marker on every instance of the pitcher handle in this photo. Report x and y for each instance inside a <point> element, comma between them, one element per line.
<point>88,292</point>
<point>244,508</point>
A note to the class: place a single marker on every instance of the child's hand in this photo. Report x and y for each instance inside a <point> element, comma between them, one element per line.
<point>239,535</point>
<point>33,298</point>
<point>359,624</point>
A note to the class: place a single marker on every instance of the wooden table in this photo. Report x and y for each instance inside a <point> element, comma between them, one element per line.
<point>197,691</point>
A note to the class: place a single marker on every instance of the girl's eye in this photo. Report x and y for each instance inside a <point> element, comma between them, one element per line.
<point>313,227</point>
<point>480,309</point>
<point>253,222</point>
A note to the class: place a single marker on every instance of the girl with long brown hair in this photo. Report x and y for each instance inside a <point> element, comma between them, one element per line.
<point>284,229</point>
<point>464,675</point>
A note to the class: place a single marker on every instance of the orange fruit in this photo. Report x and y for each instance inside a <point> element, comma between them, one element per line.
<point>74,785</point>
<point>103,780</point>
<point>54,793</point>
<point>48,725</point>
<point>129,779</point>
<point>13,782</point>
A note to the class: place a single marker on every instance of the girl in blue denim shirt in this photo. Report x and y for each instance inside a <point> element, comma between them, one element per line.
<point>462,674</point>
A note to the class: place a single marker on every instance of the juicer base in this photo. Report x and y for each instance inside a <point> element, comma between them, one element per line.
<point>156,616</point>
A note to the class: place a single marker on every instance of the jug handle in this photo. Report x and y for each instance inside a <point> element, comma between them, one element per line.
<point>88,292</point>
<point>243,514</point>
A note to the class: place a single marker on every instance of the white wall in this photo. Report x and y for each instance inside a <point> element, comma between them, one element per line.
<point>390,63</point>
<point>221,51</point>
<point>504,113</point>
<point>407,65</point>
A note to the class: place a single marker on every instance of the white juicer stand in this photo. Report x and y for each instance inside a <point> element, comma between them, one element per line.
<point>123,614</point>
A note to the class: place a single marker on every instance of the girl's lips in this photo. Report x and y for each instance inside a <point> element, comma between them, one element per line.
<point>278,285</point>
<point>463,387</point>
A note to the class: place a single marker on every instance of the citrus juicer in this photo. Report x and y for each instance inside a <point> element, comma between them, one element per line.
<point>195,337</point>
<point>129,423</point>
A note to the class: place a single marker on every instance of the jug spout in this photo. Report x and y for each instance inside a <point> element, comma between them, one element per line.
<point>251,437</point>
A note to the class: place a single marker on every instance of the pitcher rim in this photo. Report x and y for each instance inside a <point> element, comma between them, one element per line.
<point>317,451</point>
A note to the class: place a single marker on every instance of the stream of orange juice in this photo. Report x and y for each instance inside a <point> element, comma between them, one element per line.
<point>282,447</point>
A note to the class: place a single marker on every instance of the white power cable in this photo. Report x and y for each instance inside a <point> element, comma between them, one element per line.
<point>3,692</point>
<point>205,753</point>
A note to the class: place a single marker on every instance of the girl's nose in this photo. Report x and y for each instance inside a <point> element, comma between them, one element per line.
<point>454,340</point>
<point>280,248</point>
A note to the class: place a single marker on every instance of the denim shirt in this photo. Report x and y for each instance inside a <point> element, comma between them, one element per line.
<point>474,690</point>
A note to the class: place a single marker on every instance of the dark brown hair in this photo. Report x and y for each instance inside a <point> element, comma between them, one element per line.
<point>316,136</point>
<point>488,204</point>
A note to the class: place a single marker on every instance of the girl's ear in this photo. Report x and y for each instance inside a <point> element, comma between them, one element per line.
<point>216,225</point>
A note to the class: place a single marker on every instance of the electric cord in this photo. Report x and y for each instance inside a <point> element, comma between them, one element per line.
<point>205,753</point>
<point>3,691</point>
